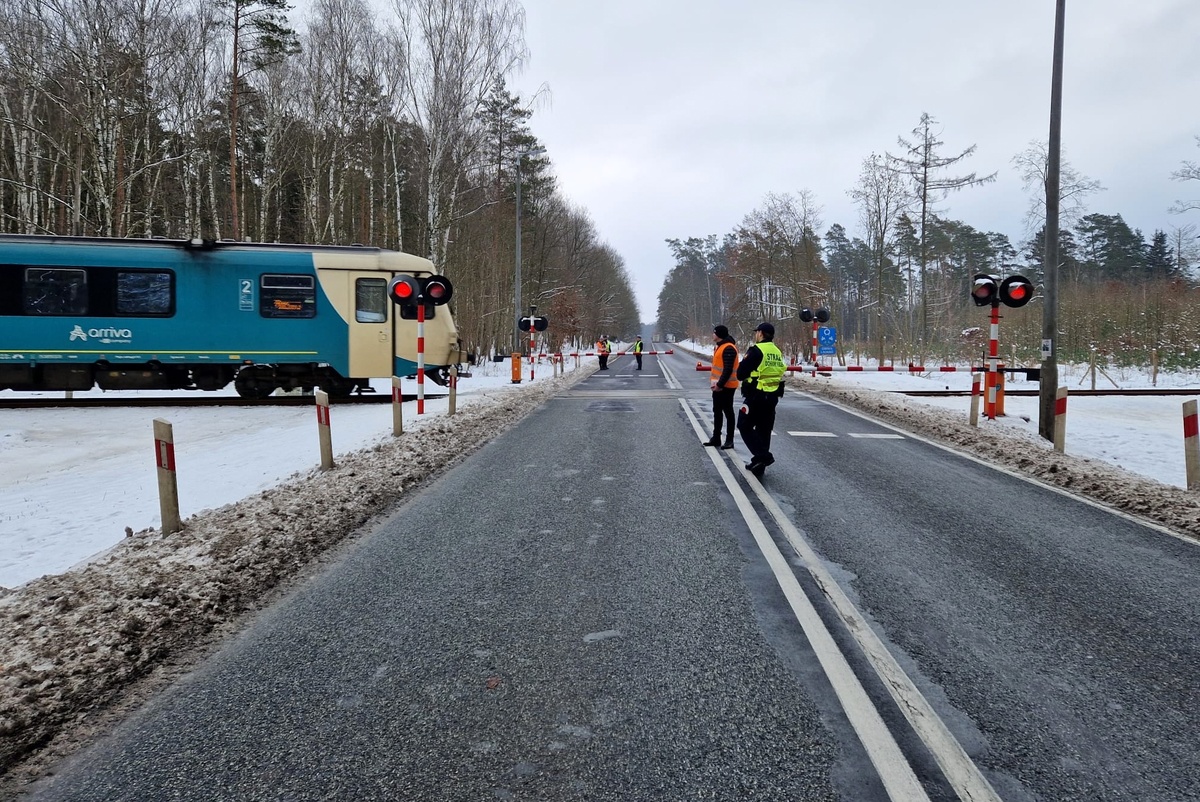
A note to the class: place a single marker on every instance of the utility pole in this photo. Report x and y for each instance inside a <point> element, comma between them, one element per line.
<point>1048,387</point>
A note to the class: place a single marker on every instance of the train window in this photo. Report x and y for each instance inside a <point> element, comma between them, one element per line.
<point>370,300</point>
<point>287,296</point>
<point>143,293</point>
<point>54,291</point>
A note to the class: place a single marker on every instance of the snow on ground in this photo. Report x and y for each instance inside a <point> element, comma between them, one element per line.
<point>257,511</point>
<point>73,481</point>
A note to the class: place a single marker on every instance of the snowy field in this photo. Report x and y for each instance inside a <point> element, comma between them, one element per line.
<point>73,481</point>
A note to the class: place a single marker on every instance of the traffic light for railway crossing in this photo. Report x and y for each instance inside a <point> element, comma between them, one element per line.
<point>808,316</point>
<point>1014,291</point>
<point>404,290</point>
<point>536,323</point>
<point>437,290</point>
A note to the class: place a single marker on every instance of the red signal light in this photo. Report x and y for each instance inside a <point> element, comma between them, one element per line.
<point>438,290</point>
<point>983,290</point>
<point>403,290</point>
<point>1016,291</point>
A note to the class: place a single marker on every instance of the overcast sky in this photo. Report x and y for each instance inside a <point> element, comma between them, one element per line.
<point>675,118</point>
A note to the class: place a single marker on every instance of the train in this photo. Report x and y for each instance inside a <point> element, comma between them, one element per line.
<point>172,314</point>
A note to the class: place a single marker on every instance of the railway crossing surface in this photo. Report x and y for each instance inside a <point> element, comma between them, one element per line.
<point>595,607</point>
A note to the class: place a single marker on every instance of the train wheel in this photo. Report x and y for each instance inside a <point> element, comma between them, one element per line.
<point>339,387</point>
<point>251,383</point>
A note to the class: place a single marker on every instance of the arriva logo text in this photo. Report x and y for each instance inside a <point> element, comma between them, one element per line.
<point>102,335</point>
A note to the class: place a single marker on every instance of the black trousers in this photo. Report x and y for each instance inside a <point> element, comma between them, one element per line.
<point>603,361</point>
<point>638,356</point>
<point>755,421</point>
<point>723,411</point>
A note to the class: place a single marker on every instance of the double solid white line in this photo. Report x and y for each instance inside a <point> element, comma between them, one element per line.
<point>894,770</point>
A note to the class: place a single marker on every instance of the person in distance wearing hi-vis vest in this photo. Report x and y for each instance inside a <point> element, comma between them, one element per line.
<point>637,352</point>
<point>761,372</point>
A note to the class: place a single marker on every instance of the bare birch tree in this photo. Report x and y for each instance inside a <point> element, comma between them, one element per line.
<point>453,51</point>
<point>923,166</point>
<point>1074,188</point>
<point>1190,171</point>
<point>881,196</point>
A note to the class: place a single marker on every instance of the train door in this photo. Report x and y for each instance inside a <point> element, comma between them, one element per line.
<point>370,326</point>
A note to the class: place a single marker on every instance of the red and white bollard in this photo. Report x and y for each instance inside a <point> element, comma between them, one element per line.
<point>168,486</point>
<point>1191,445</point>
<point>323,430</point>
<point>1060,419</point>
<point>397,408</point>
<point>420,355</point>
<point>993,364</point>
<point>976,378</point>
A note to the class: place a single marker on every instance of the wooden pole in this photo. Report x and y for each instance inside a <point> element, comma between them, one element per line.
<point>453,389</point>
<point>168,486</point>
<point>323,430</point>
<point>1060,419</point>
<point>397,408</point>
<point>1191,445</point>
<point>976,379</point>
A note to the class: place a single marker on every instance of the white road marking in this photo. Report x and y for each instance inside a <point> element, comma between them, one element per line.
<point>672,382</point>
<point>894,771</point>
<point>960,770</point>
<point>812,434</point>
<point>875,436</point>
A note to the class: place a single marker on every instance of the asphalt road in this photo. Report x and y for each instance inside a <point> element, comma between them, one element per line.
<point>581,610</point>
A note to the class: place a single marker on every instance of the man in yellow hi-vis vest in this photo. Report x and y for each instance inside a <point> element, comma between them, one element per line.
<point>761,372</point>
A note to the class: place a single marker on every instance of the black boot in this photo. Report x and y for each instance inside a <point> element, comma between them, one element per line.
<point>713,441</point>
<point>728,444</point>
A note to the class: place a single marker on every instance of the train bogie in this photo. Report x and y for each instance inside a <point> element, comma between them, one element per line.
<point>171,314</point>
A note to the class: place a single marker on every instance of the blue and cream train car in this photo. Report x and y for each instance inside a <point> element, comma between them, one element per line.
<point>79,312</point>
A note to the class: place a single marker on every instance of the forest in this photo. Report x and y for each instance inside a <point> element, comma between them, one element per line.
<point>897,285</point>
<point>228,119</point>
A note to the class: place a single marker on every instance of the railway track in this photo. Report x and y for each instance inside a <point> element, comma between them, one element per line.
<point>198,401</point>
<point>1143,391</point>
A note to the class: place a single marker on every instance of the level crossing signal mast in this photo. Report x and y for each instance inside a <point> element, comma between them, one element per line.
<point>416,297</point>
<point>989,290</point>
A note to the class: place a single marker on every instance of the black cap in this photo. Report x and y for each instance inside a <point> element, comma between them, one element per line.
<point>721,331</point>
<point>766,328</point>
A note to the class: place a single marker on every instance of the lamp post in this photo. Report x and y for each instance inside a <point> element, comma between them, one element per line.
<point>517,288</point>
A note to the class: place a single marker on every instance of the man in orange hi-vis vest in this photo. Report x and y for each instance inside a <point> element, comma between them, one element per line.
<point>602,350</point>
<point>724,383</point>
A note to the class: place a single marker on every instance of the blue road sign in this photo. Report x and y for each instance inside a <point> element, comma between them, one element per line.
<point>826,335</point>
<point>826,349</point>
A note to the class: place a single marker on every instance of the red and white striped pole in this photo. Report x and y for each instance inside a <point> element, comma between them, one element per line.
<point>531,347</point>
<point>814,342</point>
<point>1060,419</point>
<point>397,407</point>
<point>420,355</point>
<point>1191,445</point>
<point>975,379</point>
<point>324,437</point>
<point>993,364</point>
<point>168,486</point>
